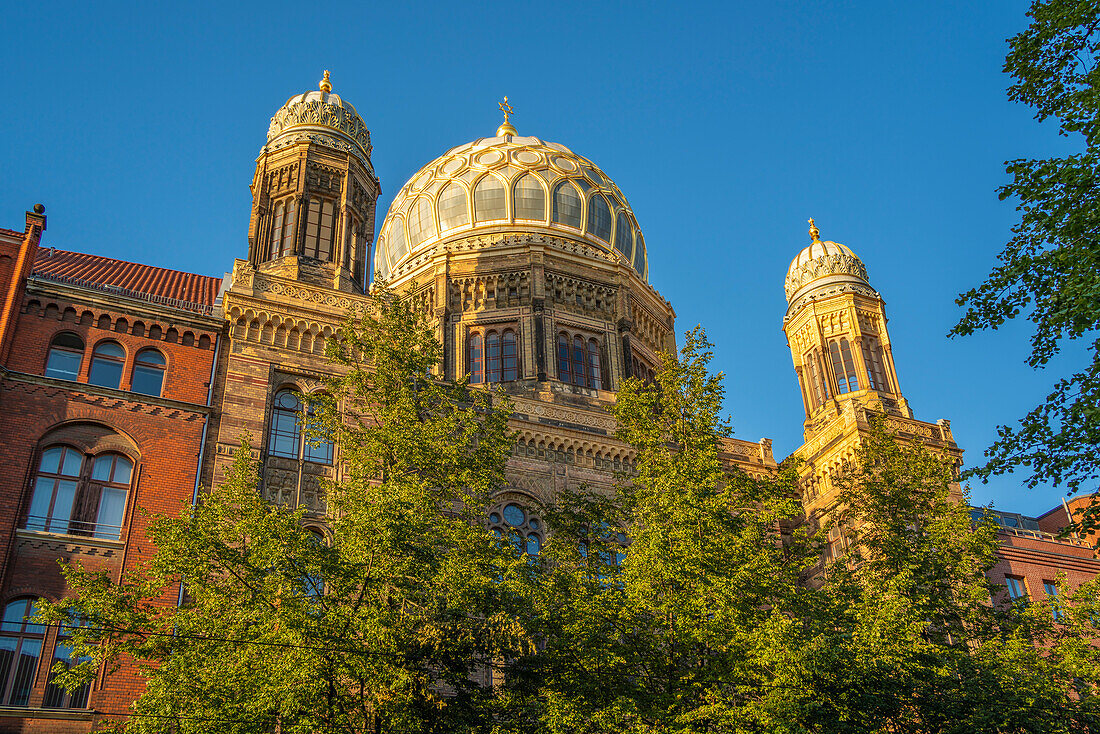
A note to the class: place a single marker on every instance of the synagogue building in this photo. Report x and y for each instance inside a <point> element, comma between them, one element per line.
<point>124,387</point>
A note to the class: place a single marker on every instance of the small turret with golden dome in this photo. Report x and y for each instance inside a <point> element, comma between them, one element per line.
<point>314,193</point>
<point>836,329</point>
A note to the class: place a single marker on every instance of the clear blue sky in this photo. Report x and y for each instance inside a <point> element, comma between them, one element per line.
<point>725,124</point>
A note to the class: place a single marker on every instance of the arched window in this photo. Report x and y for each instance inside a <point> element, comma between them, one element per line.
<point>320,229</point>
<point>563,358</point>
<point>20,646</point>
<point>290,222</point>
<point>398,247</point>
<point>530,199</point>
<point>509,356</point>
<point>594,364</point>
<point>819,388</point>
<point>286,438</point>
<point>148,372</point>
<point>420,222</point>
<point>453,211</point>
<point>567,204</point>
<point>381,267</point>
<point>489,200</point>
<point>624,235</point>
<point>599,217</point>
<point>519,526</point>
<point>492,357</point>
<point>77,496</point>
<point>277,218</point>
<point>66,355</point>
<point>579,362</point>
<point>107,361</point>
<point>873,358</point>
<point>57,697</point>
<point>844,369</point>
<point>639,254</point>
<point>475,359</point>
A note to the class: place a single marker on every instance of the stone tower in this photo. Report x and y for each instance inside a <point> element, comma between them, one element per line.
<point>836,330</point>
<point>314,193</point>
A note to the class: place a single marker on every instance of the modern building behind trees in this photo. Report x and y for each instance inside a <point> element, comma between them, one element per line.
<point>126,387</point>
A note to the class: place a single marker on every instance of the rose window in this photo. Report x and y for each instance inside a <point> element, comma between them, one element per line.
<point>518,525</point>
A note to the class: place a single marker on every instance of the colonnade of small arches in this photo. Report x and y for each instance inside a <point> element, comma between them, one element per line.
<point>575,452</point>
<point>117,324</point>
<point>281,332</point>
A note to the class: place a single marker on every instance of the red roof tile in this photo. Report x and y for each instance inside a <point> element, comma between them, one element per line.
<point>146,280</point>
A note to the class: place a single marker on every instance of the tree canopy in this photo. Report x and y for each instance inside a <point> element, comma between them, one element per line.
<point>1049,271</point>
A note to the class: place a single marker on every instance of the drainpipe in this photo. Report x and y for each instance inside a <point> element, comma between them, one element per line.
<point>202,441</point>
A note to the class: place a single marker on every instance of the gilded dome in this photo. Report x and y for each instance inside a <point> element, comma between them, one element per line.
<point>323,116</point>
<point>822,263</point>
<point>507,184</point>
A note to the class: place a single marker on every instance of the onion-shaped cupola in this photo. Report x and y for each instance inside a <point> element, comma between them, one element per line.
<point>823,267</point>
<point>508,183</point>
<point>314,193</point>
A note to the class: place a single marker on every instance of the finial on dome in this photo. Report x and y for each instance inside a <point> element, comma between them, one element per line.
<point>326,85</point>
<point>815,233</point>
<point>506,128</point>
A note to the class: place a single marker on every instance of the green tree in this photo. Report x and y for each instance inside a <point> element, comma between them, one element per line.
<point>388,626</point>
<point>923,648</point>
<point>673,605</point>
<point>1049,272</point>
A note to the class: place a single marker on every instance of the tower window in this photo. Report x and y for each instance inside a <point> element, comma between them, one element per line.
<point>594,364</point>
<point>873,358</point>
<point>567,205</point>
<point>290,221</point>
<point>501,356</point>
<point>508,356</point>
<point>489,200</point>
<point>66,356</point>
<point>844,369</point>
<point>277,227</point>
<point>579,360</point>
<point>819,387</point>
<point>492,356</point>
<point>320,229</point>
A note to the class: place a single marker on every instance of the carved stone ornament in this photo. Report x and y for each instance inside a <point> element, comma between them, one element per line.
<point>821,267</point>
<point>321,113</point>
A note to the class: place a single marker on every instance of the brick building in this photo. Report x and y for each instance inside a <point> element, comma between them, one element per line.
<point>125,387</point>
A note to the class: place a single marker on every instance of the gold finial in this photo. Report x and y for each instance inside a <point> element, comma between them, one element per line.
<point>815,233</point>
<point>326,85</point>
<point>506,128</point>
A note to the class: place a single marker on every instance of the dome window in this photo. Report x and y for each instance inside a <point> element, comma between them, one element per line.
<point>530,199</point>
<point>624,239</point>
<point>489,200</point>
<point>639,255</point>
<point>567,205</point>
<point>397,240</point>
<point>453,210</point>
<point>420,222</point>
<point>599,218</point>
<point>381,268</point>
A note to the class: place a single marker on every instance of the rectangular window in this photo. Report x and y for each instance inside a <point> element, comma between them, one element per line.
<point>1051,589</point>
<point>1017,589</point>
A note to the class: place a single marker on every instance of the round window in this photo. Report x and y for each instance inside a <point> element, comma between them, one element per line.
<point>513,515</point>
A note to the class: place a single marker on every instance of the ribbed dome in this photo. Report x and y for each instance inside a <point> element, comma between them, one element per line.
<point>508,184</point>
<point>820,263</point>
<point>320,113</point>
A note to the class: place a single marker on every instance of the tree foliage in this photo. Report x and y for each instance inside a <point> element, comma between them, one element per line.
<point>388,626</point>
<point>1049,272</point>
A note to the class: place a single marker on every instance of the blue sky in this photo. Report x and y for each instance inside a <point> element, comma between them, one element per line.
<point>726,125</point>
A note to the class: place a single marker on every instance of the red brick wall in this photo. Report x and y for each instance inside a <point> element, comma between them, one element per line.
<point>163,437</point>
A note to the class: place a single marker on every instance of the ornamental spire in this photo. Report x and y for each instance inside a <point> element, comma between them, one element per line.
<point>326,85</point>
<point>815,233</point>
<point>506,128</point>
